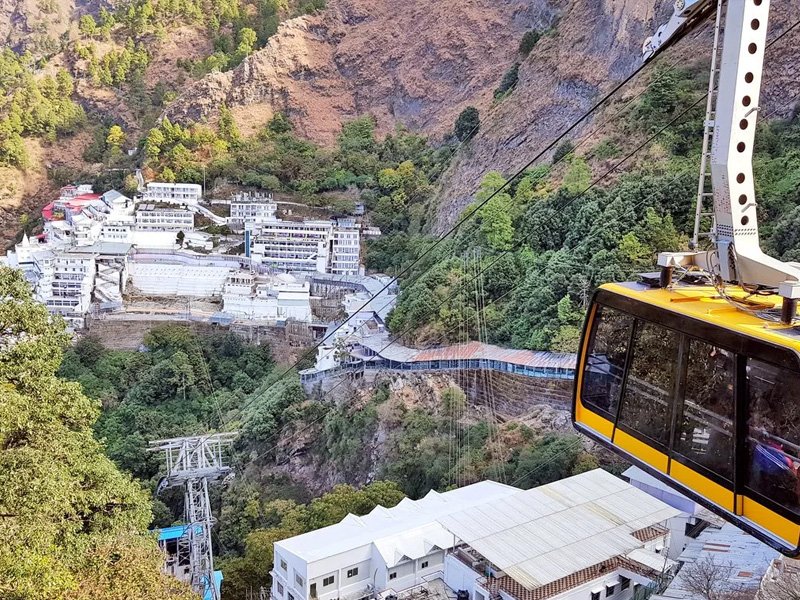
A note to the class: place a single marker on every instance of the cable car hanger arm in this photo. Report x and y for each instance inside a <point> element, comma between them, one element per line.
<point>739,257</point>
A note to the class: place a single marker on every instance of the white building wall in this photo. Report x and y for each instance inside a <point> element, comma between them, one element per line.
<point>458,576</point>
<point>176,193</point>
<point>165,220</point>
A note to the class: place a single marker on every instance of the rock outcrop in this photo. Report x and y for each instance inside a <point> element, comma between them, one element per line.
<point>419,63</point>
<point>416,62</point>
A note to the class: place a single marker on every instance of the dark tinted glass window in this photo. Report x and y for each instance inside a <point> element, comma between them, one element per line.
<point>773,433</point>
<point>605,361</point>
<point>705,429</point>
<point>649,388</point>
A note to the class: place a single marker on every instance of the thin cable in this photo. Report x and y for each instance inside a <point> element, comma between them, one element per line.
<point>521,171</point>
<point>458,224</point>
<point>518,284</point>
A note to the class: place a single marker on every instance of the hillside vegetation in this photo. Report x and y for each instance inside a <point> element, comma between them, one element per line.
<point>552,235</point>
<point>71,524</point>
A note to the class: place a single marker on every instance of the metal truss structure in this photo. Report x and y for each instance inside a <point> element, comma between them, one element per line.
<point>195,462</point>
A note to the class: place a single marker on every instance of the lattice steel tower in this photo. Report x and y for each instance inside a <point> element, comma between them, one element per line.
<point>195,462</point>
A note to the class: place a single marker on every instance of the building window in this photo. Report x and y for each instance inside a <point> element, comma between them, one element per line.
<point>595,595</point>
<point>625,583</point>
<point>610,590</point>
<point>424,565</point>
<point>352,572</point>
<point>393,575</point>
<point>327,581</point>
<point>299,580</point>
<point>280,589</point>
<point>289,596</point>
<point>283,564</point>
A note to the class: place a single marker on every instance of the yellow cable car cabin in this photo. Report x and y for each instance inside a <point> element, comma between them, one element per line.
<point>690,382</point>
<point>700,394</point>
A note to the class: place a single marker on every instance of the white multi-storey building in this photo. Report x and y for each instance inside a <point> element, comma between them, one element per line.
<point>150,218</point>
<point>587,537</point>
<point>272,299</point>
<point>345,257</point>
<point>251,208</point>
<point>311,246</point>
<point>64,283</point>
<point>174,193</point>
<point>293,245</point>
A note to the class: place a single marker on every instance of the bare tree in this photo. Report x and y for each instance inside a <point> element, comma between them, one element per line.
<point>710,579</point>
<point>782,581</point>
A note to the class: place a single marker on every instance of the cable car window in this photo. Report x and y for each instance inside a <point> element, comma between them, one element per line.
<point>649,387</point>
<point>705,429</point>
<point>605,360</point>
<point>773,433</point>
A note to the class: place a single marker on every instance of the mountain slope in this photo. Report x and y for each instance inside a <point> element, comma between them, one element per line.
<point>417,63</point>
<point>598,45</point>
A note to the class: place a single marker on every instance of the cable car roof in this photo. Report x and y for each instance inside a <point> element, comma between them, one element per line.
<point>703,302</point>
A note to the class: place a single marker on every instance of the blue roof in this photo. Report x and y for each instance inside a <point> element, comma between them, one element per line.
<point>171,533</point>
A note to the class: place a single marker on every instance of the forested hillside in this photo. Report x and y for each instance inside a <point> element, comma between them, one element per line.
<point>332,105</point>
<point>298,457</point>
<point>72,525</point>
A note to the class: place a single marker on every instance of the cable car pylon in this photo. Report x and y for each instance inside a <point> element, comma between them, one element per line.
<point>194,462</point>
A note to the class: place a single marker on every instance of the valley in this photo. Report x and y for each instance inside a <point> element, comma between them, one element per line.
<point>364,237</point>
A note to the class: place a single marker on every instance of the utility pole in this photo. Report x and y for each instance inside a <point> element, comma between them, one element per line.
<point>194,463</point>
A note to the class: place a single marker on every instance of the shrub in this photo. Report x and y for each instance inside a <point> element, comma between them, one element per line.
<point>508,82</point>
<point>564,148</point>
<point>528,41</point>
<point>467,123</point>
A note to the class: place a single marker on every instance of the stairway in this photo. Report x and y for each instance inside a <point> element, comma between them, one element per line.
<point>704,210</point>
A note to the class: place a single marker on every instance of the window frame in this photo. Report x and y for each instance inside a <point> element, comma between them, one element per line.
<point>352,572</point>
<point>742,346</point>
<point>392,575</point>
<point>329,580</point>
<point>629,358</point>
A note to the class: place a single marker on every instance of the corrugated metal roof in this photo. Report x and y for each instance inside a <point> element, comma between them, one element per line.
<point>541,535</point>
<point>383,345</point>
<point>479,350</point>
<point>398,530</point>
<point>739,554</point>
<point>658,562</point>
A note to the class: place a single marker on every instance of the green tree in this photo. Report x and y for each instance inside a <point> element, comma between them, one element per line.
<point>73,525</point>
<point>508,82</point>
<point>227,126</point>
<point>562,150</point>
<point>529,39</point>
<point>454,401</point>
<point>87,25</point>
<point>467,123</point>
<point>154,143</point>
<point>550,459</point>
<point>279,123</point>
<point>115,138</point>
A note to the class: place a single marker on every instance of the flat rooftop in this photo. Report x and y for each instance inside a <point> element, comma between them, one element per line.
<point>410,524</point>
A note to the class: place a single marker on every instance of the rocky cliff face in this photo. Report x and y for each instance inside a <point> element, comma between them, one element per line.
<point>414,62</point>
<point>598,44</point>
<point>38,25</point>
<point>420,63</point>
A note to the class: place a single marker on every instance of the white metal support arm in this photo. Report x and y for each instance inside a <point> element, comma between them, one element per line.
<point>741,259</point>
